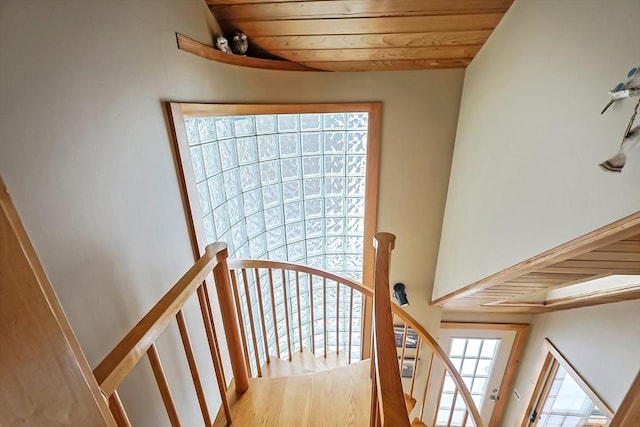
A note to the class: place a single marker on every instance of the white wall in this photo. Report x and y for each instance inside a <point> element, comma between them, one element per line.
<point>530,136</point>
<point>601,342</point>
<point>85,153</point>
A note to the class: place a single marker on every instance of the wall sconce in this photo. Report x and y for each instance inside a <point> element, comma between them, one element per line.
<point>400,295</point>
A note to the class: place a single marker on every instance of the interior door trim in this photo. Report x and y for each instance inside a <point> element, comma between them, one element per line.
<point>522,331</point>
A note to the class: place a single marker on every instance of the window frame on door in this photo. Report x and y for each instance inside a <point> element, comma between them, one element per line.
<point>522,331</point>
<point>552,356</point>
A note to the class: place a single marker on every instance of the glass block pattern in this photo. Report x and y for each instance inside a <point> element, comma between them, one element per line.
<point>284,186</point>
<point>287,187</point>
<point>276,293</point>
<point>473,358</point>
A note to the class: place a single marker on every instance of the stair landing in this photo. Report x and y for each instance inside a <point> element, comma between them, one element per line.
<point>338,397</point>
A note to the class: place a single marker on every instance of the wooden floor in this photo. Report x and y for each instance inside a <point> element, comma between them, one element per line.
<point>333,398</point>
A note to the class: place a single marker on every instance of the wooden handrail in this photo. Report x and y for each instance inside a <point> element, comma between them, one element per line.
<point>279,265</point>
<point>396,401</point>
<point>442,355</point>
<point>390,395</point>
<point>115,367</point>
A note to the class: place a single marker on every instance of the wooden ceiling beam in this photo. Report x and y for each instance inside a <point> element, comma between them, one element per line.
<point>269,11</point>
<point>390,25</point>
<point>558,259</point>
<point>610,256</point>
<point>622,246</point>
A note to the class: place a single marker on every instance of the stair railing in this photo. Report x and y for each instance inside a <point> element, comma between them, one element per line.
<point>142,338</point>
<point>286,308</point>
<point>257,326</point>
<point>428,347</point>
<point>388,407</point>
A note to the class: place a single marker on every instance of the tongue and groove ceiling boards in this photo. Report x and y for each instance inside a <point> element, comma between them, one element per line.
<point>359,35</point>
<point>527,287</point>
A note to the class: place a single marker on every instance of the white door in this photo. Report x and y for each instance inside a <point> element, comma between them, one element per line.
<point>481,357</point>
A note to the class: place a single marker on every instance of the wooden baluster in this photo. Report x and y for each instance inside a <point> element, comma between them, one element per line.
<point>426,386</point>
<point>214,334</point>
<point>285,296</point>
<point>119,414</point>
<point>273,311</point>
<point>405,332</point>
<point>350,320</point>
<point>163,385</point>
<point>324,315</point>
<point>313,323</point>
<point>243,332</point>
<point>230,323</point>
<point>299,310</point>
<point>212,340</point>
<point>415,366</point>
<point>464,419</point>
<point>435,415</point>
<point>453,405</point>
<point>261,309</point>
<point>193,368</point>
<point>254,340</point>
<point>337,317</point>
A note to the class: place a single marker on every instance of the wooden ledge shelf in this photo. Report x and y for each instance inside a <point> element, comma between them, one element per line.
<point>189,45</point>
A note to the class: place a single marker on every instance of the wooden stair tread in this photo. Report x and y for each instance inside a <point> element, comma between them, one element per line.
<point>410,402</point>
<point>337,397</point>
<point>417,423</point>
<point>305,359</point>
<point>282,368</point>
<point>331,361</point>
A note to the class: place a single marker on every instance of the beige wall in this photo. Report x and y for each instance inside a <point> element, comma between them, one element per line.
<point>602,343</point>
<point>85,153</point>
<point>530,135</point>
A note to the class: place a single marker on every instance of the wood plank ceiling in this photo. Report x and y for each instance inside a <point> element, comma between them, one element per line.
<point>359,35</point>
<point>612,250</point>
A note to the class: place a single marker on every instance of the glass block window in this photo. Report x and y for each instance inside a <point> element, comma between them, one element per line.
<point>284,186</point>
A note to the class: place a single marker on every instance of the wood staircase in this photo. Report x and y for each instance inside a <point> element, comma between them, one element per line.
<point>297,357</point>
<point>306,391</point>
<point>313,391</point>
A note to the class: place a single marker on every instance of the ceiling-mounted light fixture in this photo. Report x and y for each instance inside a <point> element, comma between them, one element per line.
<point>400,295</point>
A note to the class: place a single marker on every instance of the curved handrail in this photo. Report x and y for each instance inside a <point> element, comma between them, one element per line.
<point>389,393</point>
<point>279,265</point>
<point>258,313</point>
<point>439,351</point>
<point>425,336</point>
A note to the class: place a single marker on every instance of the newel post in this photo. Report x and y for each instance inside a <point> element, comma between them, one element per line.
<point>230,322</point>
